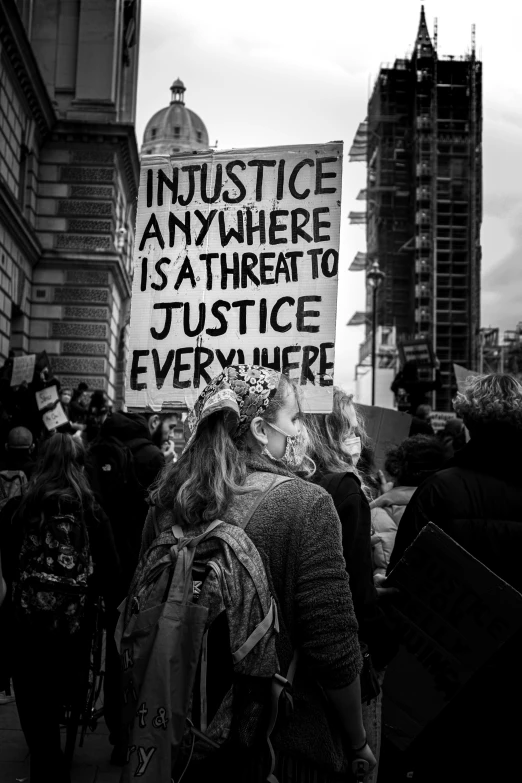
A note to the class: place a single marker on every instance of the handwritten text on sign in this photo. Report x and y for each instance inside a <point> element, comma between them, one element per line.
<point>236,261</point>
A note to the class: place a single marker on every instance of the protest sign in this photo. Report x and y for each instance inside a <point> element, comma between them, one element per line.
<point>438,419</point>
<point>385,428</point>
<point>451,615</point>
<point>23,369</point>
<point>55,417</point>
<point>462,374</point>
<point>235,261</point>
<point>46,397</point>
<point>420,351</point>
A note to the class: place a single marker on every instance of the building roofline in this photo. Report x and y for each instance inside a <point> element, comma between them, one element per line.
<point>122,132</point>
<point>16,44</point>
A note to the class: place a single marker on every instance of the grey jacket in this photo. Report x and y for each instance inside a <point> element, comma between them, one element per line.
<point>297,532</point>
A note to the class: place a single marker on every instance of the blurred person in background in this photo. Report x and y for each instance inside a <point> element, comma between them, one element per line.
<point>477,501</point>
<point>123,461</point>
<point>79,404</point>
<point>98,411</point>
<point>65,399</point>
<point>410,391</point>
<point>420,424</point>
<point>19,451</point>
<point>453,437</point>
<point>61,555</point>
<point>409,465</point>
<point>335,447</point>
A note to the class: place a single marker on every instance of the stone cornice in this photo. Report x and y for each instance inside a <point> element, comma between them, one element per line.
<point>102,261</point>
<point>19,52</point>
<point>14,222</point>
<point>100,133</point>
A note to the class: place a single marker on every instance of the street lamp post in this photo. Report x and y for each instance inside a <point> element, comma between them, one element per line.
<point>374,276</point>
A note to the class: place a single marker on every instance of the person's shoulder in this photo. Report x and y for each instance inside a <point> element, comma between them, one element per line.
<point>292,504</point>
<point>341,485</point>
<point>306,491</point>
<point>450,475</point>
<point>144,450</point>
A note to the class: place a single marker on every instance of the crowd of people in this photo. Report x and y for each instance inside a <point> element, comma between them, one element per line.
<point>105,509</point>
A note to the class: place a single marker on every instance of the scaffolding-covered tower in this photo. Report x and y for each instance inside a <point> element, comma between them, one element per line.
<point>422,145</point>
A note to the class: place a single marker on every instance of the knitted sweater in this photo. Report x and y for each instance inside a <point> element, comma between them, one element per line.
<point>297,532</point>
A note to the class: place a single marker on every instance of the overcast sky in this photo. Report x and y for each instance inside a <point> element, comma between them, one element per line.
<point>288,72</point>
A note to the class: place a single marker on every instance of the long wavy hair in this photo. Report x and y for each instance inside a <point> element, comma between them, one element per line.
<point>328,431</point>
<point>201,484</point>
<point>59,478</point>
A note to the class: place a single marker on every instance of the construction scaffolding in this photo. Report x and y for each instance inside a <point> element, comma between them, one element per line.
<point>496,356</point>
<point>422,143</point>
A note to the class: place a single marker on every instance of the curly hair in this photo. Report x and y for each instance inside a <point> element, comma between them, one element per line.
<point>490,399</point>
<point>415,459</point>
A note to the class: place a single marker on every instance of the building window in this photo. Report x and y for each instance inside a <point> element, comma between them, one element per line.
<point>200,135</point>
<point>153,132</point>
<point>12,123</point>
<point>177,131</point>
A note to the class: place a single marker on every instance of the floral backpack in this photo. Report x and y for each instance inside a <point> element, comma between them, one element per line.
<point>54,568</point>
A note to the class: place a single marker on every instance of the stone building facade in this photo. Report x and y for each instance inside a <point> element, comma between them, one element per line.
<point>68,183</point>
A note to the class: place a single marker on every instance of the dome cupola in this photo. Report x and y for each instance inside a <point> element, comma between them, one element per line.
<point>174,128</point>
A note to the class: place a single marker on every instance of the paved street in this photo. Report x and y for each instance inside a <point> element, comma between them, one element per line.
<point>91,763</point>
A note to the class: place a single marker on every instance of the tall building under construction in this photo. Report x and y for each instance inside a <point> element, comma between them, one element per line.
<point>421,143</point>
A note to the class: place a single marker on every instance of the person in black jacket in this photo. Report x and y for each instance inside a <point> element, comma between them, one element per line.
<point>123,462</point>
<point>477,500</point>
<point>335,447</point>
<point>50,661</point>
<point>410,391</point>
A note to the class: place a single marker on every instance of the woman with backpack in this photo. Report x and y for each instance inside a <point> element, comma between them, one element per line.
<point>336,441</point>
<point>245,430</point>
<point>61,555</point>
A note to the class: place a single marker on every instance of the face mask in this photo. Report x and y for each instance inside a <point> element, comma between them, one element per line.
<point>352,446</point>
<point>295,451</point>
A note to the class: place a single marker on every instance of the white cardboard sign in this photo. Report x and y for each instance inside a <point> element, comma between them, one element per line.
<point>23,369</point>
<point>46,397</point>
<point>235,261</point>
<point>55,417</point>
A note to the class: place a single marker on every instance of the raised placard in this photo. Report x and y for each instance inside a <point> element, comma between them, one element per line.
<point>420,351</point>
<point>46,397</point>
<point>236,261</point>
<point>55,417</point>
<point>23,369</point>
<point>385,428</point>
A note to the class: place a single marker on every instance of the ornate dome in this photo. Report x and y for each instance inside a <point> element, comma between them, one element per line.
<point>174,128</point>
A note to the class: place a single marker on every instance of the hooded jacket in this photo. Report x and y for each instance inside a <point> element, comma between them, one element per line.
<point>387,511</point>
<point>125,500</point>
<point>132,429</point>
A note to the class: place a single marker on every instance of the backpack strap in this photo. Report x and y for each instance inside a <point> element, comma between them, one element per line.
<point>154,520</point>
<point>244,506</point>
<point>280,685</point>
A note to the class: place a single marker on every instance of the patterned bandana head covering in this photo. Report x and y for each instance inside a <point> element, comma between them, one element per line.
<point>243,391</point>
